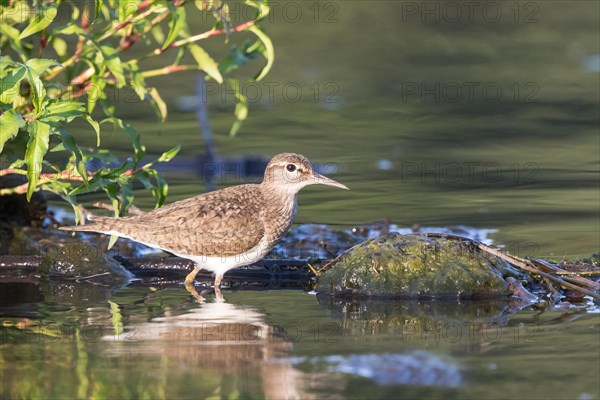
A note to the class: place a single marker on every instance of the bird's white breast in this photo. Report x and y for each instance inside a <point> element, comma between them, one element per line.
<point>222,264</point>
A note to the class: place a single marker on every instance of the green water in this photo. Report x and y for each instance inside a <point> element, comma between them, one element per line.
<point>385,97</point>
<point>164,345</point>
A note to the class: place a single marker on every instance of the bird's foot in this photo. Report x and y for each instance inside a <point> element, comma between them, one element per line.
<point>189,286</point>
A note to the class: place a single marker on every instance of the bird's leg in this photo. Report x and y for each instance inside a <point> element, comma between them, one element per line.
<point>218,295</point>
<point>218,279</point>
<point>190,288</point>
<point>189,279</point>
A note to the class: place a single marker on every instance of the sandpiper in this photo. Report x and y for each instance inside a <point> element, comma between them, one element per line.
<point>224,229</point>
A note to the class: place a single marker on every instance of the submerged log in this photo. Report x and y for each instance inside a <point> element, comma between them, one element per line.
<point>267,270</point>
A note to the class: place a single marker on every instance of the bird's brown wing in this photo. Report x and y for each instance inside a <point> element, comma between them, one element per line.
<point>221,223</point>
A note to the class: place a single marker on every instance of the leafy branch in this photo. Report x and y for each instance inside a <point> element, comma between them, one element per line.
<point>56,70</point>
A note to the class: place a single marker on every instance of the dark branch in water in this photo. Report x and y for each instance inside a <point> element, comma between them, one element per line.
<point>576,283</point>
<point>282,271</point>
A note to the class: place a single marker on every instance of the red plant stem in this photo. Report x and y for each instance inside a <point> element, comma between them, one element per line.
<point>64,175</point>
<point>205,35</point>
<point>85,75</point>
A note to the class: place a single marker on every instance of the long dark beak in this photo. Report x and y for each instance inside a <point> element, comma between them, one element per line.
<point>323,180</point>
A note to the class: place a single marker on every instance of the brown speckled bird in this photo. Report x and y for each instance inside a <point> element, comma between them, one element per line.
<point>225,229</point>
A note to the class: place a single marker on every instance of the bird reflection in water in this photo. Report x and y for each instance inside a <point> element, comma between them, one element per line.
<point>216,339</point>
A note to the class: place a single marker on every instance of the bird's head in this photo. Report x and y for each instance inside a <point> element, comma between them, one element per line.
<point>291,172</point>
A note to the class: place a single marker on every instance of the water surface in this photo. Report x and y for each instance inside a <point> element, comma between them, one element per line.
<point>287,344</point>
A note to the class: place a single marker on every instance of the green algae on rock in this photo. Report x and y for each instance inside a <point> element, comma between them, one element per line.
<point>417,266</point>
<point>81,261</point>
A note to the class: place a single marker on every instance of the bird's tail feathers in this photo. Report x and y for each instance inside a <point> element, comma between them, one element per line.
<point>99,224</point>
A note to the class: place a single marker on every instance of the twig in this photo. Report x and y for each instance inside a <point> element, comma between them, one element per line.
<point>78,51</point>
<point>316,272</point>
<point>133,210</point>
<point>68,175</point>
<point>578,273</point>
<point>169,70</point>
<point>81,278</point>
<point>202,36</point>
<point>523,264</point>
<point>43,179</point>
<point>571,277</point>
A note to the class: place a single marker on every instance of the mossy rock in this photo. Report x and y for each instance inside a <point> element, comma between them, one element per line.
<point>81,261</point>
<point>417,266</point>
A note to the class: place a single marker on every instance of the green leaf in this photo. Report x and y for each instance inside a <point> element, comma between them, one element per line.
<point>241,108</point>
<point>9,85</point>
<point>39,65</point>
<point>113,62</point>
<point>134,136</point>
<point>12,34</point>
<point>60,46</point>
<point>69,144</point>
<point>138,82</point>
<point>63,111</point>
<point>75,12</point>
<point>58,147</point>
<point>111,190</point>
<point>206,62</point>
<point>94,184</point>
<point>176,24</point>
<point>38,92</point>
<point>144,177</point>
<point>39,136</point>
<point>98,9</point>
<point>111,242</point>
<point>70,29</point>
<point>96,127</point>
<point>262,8</point>
<point>161,191</point>
<point>127,196</point>
<point>10,122</point>
<point>158,34</point>
<point>107,106</point>
<point>44,18</point>
<point>18,164</point>
<point>268,51</point>
<point>164,157</point>
<point>114,173</point>
<point>127,8</point>
<point>169,155</point>
<point>35,67</point>
<point>6,63</point>
<point>96,92</point>
<point>159,104</point>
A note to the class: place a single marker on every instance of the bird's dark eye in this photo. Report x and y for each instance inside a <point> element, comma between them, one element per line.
<point>290,167</point>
